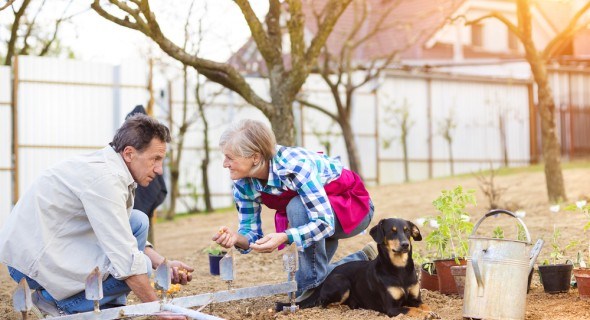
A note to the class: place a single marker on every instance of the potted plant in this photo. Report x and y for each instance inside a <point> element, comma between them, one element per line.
<point>215,253</point>
<point>556,277</point>
<point>450,238</point>
<point>427,271</point>
<point>582,273</point>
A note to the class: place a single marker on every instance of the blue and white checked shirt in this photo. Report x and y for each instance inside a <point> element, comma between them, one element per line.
<point>300,170</point>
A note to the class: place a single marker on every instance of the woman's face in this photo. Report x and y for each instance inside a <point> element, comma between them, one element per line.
<point>239,167</point>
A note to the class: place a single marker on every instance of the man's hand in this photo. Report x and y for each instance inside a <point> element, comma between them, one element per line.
<point>181,272</point>
<point>269,242</point>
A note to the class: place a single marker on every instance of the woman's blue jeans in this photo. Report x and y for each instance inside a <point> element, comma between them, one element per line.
<point>314,261</point>
<point>114,291</point>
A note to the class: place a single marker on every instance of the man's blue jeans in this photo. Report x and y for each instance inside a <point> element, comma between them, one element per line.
<point>314,261</point>
<point>114,291</point>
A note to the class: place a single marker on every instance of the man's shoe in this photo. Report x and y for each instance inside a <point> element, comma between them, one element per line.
<point>43,307</point>
<point>370,249</point>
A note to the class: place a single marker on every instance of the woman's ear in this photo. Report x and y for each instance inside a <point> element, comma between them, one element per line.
<point>257,158</point>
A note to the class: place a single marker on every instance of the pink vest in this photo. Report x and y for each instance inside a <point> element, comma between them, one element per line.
<point>347,195</point>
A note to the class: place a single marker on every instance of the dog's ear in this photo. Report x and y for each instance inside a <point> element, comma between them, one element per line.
<point>415,231</point>
<point>377,232</point>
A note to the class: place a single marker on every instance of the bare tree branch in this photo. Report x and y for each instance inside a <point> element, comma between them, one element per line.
<point>221,73</point>
<point>7,4</point>
<point>567,33</point>
<point>500,17</point>
<point>30,25</point>
<point>257,30</point>
<point>318,108</point>
<point>59,21</point>
<point>14,32</point>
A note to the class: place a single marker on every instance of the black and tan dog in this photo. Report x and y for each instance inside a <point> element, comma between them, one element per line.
<point>387,284</point>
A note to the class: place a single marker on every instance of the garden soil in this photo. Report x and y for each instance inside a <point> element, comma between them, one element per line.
<point>186,238</point>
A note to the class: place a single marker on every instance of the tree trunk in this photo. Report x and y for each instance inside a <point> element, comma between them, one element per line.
<point>282,119</point>
<point>550,141</point>
<point>451,160</point>
<point>404,139</point>
<point>175,160</point>
<point>205,176</point>
<point>503,142</point>
<point>174,174</point>
<point>205,161</point>
<point>351,148</point>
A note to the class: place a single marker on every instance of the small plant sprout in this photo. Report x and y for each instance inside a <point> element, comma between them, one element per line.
<point>558,252</point>
<point>214,250</point>
<point>498,233</point>
<point>583,207</point>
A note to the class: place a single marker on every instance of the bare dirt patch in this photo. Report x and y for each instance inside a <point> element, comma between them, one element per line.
<point>186,238</point>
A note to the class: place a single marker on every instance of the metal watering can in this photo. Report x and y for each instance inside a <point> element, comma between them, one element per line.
<point>497,274</point>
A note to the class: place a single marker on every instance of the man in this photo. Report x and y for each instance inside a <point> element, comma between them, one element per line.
<point>148,198</point>
<point>78,215</point>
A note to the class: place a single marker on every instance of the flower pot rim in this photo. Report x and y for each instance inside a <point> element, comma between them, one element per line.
<point>448,259</point>
<point>556,265</point>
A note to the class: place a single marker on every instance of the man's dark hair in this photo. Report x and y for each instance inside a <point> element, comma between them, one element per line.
<point>138,131</point>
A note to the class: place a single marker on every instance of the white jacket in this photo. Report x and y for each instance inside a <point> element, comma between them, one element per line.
<point>73,218</point>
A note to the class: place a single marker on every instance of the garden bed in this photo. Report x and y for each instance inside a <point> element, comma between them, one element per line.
<point>187,237</point>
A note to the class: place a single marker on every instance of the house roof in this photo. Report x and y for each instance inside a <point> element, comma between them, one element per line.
<point>408,24</point>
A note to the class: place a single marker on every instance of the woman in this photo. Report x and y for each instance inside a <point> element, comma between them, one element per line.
<point>317,201</point>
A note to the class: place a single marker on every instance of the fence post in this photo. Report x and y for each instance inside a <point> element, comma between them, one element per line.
<point>15,144</point>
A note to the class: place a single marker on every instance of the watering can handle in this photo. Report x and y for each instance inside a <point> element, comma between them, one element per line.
<point>498,211</point>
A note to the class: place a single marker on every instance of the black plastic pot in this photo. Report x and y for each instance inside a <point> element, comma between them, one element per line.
<point>214,263</point>
<point>556,277</point>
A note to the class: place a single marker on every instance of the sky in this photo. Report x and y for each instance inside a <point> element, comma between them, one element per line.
<point>93,38</point>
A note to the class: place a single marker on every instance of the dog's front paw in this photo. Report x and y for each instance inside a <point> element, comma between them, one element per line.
<point>431,315</point>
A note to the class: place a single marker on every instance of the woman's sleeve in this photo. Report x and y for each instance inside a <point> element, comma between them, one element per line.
<point>248,206</point>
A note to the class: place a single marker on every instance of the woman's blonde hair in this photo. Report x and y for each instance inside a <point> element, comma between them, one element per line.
<point>248,137</point>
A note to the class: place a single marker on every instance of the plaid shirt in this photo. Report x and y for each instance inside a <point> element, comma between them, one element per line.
<point>300,170</point>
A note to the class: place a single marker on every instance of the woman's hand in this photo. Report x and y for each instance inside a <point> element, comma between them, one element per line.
<point>269,242</point>
<point>225,237</point>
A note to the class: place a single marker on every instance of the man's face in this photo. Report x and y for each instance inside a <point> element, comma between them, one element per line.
<point>146,165</point>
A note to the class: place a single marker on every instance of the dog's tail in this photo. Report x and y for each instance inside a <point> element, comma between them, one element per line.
<point>312,301</point>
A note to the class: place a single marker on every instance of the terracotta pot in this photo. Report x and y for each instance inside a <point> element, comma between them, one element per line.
<point>583,280</point>
<point>458,273</point>
<point>446,281</point>
<point>556,278</point>
<point>428,281</point>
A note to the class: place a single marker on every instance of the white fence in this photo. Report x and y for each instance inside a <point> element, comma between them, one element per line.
<point>5,144</point>
<point>67,107</point>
